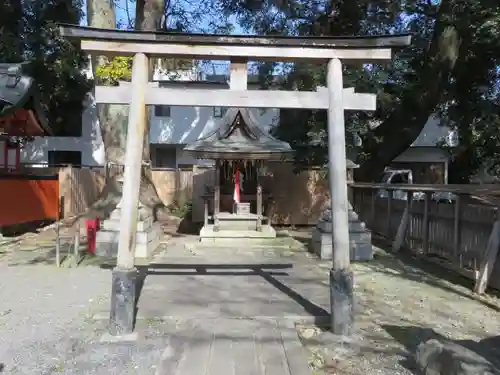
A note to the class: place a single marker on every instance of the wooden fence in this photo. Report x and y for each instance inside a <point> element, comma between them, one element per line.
<point>298,199</point>
<point>459,233</point>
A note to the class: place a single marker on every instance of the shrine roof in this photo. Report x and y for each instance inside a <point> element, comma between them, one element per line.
<point>20,108</point>
<point>237,137</point>
<point>340,42</point>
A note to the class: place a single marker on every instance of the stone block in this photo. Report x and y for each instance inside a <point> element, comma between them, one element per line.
<point>242,208</point>
<point>146,242</point>
<point>361,244</point>
<point>443,357</point>
<point>354,226</point>
<point>114,224</point>
<point>360,237</point>
<point>142,214</point>
<point>208,233</point>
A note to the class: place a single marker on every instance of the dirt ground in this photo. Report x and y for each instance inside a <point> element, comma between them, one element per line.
<point>400,302</point>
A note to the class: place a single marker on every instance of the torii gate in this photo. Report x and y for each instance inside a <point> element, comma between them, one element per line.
<point>239,50</point>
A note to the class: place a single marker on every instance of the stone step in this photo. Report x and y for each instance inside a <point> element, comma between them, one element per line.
<point>141,236</point>
<point>142,251</point>
<point>114,224</point>
<point>208,232</point>
<point>142,214</point>
<point>238,222</point>
<point>361,248</point>
<point>146,242</point>
<point>354,226</point>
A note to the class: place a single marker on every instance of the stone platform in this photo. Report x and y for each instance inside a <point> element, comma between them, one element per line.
<point>147,237</point>
<point>360,238</point>
<point>236,226</point>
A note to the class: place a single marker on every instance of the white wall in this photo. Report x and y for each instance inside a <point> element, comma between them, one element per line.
<point>89,144</point>
<point>185,125</point>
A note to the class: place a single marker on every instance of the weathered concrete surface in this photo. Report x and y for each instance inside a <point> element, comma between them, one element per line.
<point>442,357</point>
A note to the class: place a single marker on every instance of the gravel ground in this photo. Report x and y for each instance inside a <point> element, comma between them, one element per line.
<point>398,305</point>
<point>43,313</point>
<point>46,326</point>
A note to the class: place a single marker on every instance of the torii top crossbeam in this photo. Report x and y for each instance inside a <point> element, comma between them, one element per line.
<point>222,47</point>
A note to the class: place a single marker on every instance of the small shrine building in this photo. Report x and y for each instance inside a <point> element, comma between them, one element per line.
<point>234,207</point>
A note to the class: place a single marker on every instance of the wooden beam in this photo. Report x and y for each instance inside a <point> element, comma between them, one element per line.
<point>403,225</point>
<point>225,52</point>
<point>236,98</point>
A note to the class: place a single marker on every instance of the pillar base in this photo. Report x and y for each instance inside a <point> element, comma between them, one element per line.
<point>341,302</point>
<point>123,301</point>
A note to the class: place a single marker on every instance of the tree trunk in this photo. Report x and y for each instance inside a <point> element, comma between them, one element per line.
<point>148,14</point>
<point>404,124</point>
<point>147,18</point>
<point>113,120</point>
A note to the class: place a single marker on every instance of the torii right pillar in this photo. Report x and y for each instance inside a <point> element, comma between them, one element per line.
<point>341,275</point>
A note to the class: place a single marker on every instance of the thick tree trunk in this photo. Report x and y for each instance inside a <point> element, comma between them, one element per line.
<point>113,120</point>
<point>404,124</point>
<point>148,14</point>
<point>147,18</point>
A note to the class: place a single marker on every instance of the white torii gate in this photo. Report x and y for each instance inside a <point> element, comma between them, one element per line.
<point>239,50</point>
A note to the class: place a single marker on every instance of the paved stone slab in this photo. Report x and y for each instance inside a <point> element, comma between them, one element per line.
<point>235,347</point>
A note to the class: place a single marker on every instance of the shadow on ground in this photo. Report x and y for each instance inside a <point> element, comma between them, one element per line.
<point>407,266</point>
<point>411,336</point>
<point>267,271</point>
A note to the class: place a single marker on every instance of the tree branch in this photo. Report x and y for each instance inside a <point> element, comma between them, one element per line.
<point>419,101</point>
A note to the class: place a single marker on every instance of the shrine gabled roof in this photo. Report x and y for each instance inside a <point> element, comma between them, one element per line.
<point>21,112</point>
<point>238,136</point>
<point>371,41</point>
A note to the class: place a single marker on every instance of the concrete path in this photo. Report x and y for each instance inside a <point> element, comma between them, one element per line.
<point>239,305</point>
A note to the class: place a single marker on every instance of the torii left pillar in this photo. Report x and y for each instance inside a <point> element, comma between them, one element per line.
<point>125,275</point>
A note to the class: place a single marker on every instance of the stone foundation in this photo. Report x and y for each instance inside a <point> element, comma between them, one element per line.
<point>147,237</point>
<point>360,238</point>
<point>235,227</point>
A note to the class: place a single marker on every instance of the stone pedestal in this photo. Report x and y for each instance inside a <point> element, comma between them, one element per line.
<point>360,237</point>
<point>241,208</point>
<point>147,237</point>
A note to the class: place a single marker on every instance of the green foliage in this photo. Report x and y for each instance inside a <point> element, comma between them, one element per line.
<point>28,32</point>
<point>183,211</point>
<point>118,69</point>
<point>451,69</point>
